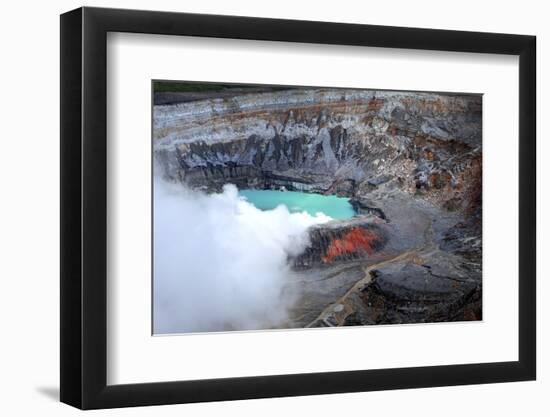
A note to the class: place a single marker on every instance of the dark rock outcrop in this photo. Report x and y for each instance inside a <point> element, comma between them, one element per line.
<point>342,242</point>
<point>415,293</point>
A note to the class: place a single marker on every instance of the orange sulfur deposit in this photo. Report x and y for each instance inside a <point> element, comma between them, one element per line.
<point>356,240</point>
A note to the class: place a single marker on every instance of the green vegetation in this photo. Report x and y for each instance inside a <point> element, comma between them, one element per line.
<point>186,87</point>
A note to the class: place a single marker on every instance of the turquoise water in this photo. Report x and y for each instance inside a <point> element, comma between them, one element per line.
<point>330,205</point>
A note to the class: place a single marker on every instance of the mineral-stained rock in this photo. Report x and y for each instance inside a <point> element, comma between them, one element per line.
<point>342,241</point>
<point>334,141</point>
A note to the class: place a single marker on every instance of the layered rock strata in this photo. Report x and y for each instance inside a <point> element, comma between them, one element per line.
<point>345,142</point>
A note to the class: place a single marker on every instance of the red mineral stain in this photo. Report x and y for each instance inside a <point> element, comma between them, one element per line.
<point>375,104</point>
<point>356,240</point>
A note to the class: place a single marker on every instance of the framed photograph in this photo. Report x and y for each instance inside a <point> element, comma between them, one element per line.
<point>257,208</point>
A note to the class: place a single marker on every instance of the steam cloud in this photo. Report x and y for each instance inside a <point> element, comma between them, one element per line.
<point>219,262</point>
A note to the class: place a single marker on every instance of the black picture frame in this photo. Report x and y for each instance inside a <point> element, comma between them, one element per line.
<point>84,207</point>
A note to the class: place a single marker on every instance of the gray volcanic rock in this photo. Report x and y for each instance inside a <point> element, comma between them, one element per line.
<point>416,292</point>
<point>424,287</point>
<point>325,140</point>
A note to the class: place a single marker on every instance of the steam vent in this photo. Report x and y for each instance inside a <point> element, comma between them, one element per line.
<point>410,164</point>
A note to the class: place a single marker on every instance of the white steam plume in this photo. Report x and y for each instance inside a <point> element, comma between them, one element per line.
<point>219,262</point>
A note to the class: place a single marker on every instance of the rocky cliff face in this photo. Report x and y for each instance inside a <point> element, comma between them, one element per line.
<point>411,164</point>
<point>331,141</point>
